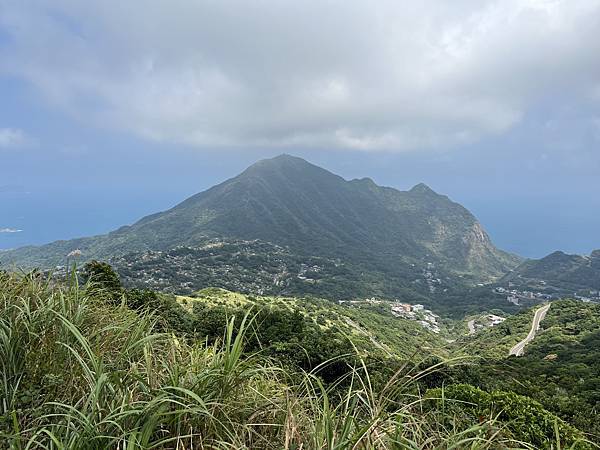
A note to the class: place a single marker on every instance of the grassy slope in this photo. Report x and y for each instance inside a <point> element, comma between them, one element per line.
<point>367,327</point>
<point>80,370</point>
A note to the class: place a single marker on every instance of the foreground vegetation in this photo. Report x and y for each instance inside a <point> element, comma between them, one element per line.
<point>96,367</point>
<point>560,368</point>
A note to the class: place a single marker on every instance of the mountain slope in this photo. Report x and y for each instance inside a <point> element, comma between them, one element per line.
<point>289,202</point>
<point>560,272</point>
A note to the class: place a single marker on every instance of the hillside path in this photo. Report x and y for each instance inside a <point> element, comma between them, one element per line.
<point>539,315</point>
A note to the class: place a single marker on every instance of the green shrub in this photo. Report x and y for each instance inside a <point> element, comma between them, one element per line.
<point>525,419</point>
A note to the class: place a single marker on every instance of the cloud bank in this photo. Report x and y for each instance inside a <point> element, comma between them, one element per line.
<point>392,75</point>
<point>10,230</point>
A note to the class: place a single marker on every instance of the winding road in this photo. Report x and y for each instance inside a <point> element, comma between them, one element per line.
<point>539,315</point>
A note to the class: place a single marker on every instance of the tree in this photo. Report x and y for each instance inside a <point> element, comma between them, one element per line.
<point>142,299</point>
<point>102,279</point>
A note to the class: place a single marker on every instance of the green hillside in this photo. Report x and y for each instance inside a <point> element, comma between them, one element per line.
<point>560,274</point>
<point>560,367</point>
<point>382,239</point>
<point>372,328</point>
<point>97,366</point>
<point>495,342</point>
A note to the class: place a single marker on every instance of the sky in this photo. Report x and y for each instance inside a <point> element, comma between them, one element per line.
<point>112,110</point>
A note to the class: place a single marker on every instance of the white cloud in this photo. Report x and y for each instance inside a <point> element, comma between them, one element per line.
<point>12,138</point>
<point>392,75</point>
<point>10,230</point>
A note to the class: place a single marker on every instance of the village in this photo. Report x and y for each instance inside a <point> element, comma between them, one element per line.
<point>425,317</point>
<point>485,321</point>
<point>516,297</point>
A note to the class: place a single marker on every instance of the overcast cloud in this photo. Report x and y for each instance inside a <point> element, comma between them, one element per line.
<point>390,75</point>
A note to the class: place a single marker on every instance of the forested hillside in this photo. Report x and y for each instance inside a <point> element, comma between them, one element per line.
<point>560,367</point>
<point>560,274</point>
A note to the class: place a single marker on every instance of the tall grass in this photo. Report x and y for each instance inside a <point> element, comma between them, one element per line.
<point>78,372</point>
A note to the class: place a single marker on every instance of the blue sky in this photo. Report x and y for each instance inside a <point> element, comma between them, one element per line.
<point>113,111</point>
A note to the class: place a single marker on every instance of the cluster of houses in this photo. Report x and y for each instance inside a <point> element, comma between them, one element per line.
<point>425,317</point>
<point>594,296</point>
<point>486,321</point>
<point>184,270</point>
<point>305,269</point>
<point>514,296</point>
<point>431,277</point>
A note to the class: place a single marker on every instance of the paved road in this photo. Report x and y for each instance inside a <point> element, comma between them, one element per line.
<point>539,315</point>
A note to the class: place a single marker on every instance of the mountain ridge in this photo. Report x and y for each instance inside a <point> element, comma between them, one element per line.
<point>314,213</point>
<point>566,272</point>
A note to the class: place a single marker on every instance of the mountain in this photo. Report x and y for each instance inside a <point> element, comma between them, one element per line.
<point>407,239</point>
<point>560,274</point>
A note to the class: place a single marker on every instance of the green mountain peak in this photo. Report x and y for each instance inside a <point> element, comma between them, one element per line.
<point>380,237</point>
<point>422,189</point>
